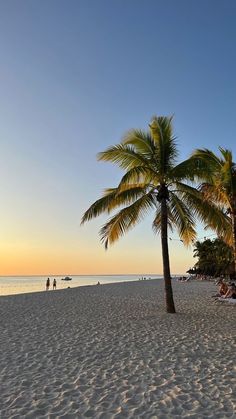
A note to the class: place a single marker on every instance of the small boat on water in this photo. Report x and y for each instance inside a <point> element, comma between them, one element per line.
<point>67,278</point>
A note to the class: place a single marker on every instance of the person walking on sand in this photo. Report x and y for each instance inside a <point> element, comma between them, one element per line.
<point>54,285</point>
<point>47,284</point>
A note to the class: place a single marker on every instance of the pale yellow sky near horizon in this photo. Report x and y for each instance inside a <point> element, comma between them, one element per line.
<point>131,255</point>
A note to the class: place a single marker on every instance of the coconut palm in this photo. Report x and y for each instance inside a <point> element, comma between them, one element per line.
<point>219,185</point>
<point>152,181</point>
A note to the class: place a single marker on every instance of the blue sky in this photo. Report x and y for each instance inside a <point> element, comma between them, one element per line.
<point>75,75</point>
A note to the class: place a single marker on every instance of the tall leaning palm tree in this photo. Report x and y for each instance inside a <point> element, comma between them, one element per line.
<point>152,180</point>
<point>218,176</point>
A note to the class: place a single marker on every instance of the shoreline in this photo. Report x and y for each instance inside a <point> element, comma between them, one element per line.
<point>14,286</point>
<point>111,351</point>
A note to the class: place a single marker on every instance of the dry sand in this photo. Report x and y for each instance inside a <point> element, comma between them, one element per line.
<point>111,351</point>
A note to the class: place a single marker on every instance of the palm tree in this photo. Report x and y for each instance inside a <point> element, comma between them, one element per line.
<point>152,181</point>
<point>218,175</point>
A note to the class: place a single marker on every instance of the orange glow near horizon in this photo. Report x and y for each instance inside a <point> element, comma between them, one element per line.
<point>48,249</point>
<point>28,260</point>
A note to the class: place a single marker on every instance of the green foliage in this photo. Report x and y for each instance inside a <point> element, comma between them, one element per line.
<point>215,257</point>
<point>218,177</point>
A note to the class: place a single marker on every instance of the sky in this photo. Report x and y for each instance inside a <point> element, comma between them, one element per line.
<point>75,75</point>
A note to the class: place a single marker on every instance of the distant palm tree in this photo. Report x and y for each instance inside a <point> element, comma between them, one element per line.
<point>218,175</point>
<point>152,181</point>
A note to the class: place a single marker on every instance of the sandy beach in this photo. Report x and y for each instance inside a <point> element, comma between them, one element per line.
<point>111,351</point>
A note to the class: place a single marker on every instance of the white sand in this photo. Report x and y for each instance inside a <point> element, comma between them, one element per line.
<point>111,351</point>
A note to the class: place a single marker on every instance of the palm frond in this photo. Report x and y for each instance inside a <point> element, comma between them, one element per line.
<point>205,164</point>
<point>141,140</point>
<point>112,199</point>
<point>215,193</point>
<point>227,155</point>
<point>100,206</point>
<point>125,219</point>
<point>186,170</point>
<point>141,175</point>
<point>161,128</point>
<point>207,156</point>
<point>206,211</point>
<point>127,194</point>
<point>182,218</point>
<point>122,155</point>
<point>156,225</point>
<point>166,149</point>
<point>226,177</point>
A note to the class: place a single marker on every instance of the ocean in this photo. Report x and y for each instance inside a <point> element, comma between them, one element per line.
<point>10,285</point>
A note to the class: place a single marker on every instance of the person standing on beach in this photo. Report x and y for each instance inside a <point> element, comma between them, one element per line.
<point>47,284</point>
<point>54,285</point>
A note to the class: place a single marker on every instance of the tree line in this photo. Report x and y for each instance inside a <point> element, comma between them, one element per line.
<point>215,258</point>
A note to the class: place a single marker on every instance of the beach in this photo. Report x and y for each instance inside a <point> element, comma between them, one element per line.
<point>112,351</point>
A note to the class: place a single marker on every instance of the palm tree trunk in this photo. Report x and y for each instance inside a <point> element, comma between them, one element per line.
<point>170,306</point>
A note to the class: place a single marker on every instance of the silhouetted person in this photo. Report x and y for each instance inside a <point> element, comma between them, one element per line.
<point>47,284</point>
<point>54,285</point>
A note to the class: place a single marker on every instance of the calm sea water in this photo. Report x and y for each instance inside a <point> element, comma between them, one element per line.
<point>23,284</point>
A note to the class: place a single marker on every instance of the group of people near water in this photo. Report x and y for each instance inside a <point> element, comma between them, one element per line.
<point>226,290</point>
<point>54,284</point>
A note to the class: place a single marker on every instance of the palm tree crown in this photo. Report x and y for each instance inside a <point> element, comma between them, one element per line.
<point>218,174</point>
